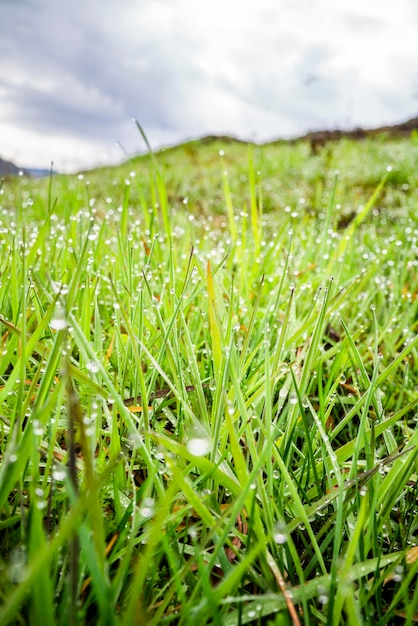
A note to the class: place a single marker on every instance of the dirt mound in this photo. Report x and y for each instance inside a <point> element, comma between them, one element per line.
<point>319,138</point>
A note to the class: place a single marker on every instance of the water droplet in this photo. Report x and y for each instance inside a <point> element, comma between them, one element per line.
<point>93,367</point>
<point>193,533</point>
<point>38,428</point>
<point>59,473</point>
<point>147,507</point>
<point>398,574</point>
<point>199,445</point>
<point>16,570</point>
<point>59,319</point>
<point>135,440</point>
<point>280,534</point>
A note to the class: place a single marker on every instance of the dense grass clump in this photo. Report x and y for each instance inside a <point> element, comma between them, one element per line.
<point>208,389</point>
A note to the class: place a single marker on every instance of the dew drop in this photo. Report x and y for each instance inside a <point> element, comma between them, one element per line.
<point>93,367</point>
<point>193,533</point>
<point>199,446</point>
<point>59,319</point>
<point>147,507</point>
<point>59,474</point>
<point>135,440</point>
<point>38,428</point>
<point>280,534</point>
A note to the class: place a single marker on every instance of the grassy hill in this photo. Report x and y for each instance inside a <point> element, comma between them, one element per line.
<point>208,387</point>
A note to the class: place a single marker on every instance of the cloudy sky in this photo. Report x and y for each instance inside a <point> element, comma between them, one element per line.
<point>74,73</point>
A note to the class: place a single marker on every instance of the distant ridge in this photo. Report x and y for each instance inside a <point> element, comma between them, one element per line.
<point>7,168</point>
<point>321,137</point>
<point>316,138</point>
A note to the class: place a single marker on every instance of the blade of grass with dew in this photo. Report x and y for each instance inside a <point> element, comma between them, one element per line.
<point>68,524</point>
<point>254,211</point>
<point>229,204</point>
<point>269,603</point>
<point>359,219</point>
<point>214,329</point>
<point>308,364</point>
<point>381,378</point>
<point>344,588</point>
<point>42,589</point>
<point>161,188</point>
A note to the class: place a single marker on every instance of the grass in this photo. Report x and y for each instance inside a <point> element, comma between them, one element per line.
<point>208,389</point>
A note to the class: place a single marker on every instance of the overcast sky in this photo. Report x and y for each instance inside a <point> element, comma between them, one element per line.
<point>74,73</point>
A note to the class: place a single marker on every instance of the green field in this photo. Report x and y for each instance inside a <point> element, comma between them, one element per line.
<point>208,388</point>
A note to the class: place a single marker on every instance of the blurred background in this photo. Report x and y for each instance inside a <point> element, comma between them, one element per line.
<point>74,74</point>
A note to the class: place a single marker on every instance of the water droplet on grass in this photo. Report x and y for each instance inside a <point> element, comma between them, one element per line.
<point>199,445</point>
<point>398,573</point>
<point>147,507</point>
<point>93,367</point>
<point>59,319</point>
<point>135,440</point>
<point>59,473</point>
<point>280,534</point>
<point>193,532</point>
<point>16,570</point>
<point>38,428</point>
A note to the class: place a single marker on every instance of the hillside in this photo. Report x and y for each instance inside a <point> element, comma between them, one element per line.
<point>316,139</point>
